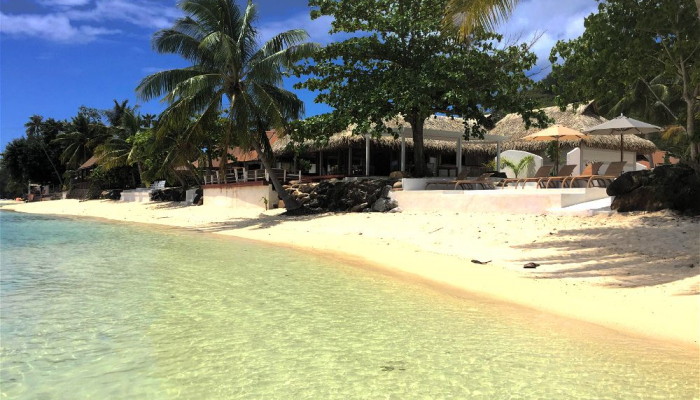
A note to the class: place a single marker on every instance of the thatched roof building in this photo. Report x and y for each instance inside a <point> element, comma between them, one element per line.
<point>345,139</point>
<point>583,117</point>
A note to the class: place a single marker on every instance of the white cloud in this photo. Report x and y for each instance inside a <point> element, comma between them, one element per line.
<point>137,12</point>
<point>317,29</point>
<point>53,27</point>
<point>65,3</point>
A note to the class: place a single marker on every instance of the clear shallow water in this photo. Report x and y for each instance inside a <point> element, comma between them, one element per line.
<point>110,311</point>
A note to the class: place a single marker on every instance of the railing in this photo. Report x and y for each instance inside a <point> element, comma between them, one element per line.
<point>240,175</point>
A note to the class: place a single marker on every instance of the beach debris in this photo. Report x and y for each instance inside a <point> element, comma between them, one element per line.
<point>481,262</point>
<point>435,230</point>
<point>531,265</point>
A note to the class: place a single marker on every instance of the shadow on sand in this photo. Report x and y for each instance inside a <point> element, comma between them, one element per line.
<point>634,261</point>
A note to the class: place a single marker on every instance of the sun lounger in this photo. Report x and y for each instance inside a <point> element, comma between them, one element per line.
<point>590,170</point>
<point>462,176</point>
<point>542,173</point>
<point>482,180</point>
<point>614,170</point>
<point>564,173</point>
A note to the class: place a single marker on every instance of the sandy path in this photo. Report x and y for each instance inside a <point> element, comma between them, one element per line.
<point>630,273</point>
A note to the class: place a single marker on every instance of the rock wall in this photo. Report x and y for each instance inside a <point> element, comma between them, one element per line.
<point>365,195</point>
<point>665,187</point>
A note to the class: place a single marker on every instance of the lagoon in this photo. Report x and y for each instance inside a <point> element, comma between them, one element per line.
<point>106,310</point>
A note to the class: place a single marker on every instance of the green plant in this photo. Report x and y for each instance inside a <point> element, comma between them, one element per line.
<point>522,165</point>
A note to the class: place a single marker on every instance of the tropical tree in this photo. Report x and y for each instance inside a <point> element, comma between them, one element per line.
<point>405,64</point>
<point>35,132</point>
<point>230,73</point>
<point>115,114</point>
<point>83,134</point>
<point>639,57</point>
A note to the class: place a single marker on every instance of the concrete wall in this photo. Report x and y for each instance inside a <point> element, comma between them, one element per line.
<point>495,201</point>
<point>574,158</point>
<point>515,156</point>
<point>240,196</point>
<point>142,195</point>
<point>608,156</point>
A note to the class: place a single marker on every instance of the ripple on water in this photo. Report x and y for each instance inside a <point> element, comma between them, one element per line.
<point>95,310</point>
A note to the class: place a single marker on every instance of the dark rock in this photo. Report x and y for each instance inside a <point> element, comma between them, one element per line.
<point>379,205</point>
<point>385,191</point>
<point>396,210</point>
<point>628,182</point>
<point>641,199</point>
<point>359,207</point>
<point>168,194</point>
<point>665,187</point>
<point>391,204</point>
<point>113,194</point>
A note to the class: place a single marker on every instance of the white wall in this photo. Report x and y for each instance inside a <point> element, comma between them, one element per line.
<point>574,158</point>
<point>515,156</point>
<point>608,156</point>
<point>240,196</point>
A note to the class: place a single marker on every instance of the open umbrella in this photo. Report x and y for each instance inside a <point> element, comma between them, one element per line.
<point>556,132</point>
<point>620,126</point>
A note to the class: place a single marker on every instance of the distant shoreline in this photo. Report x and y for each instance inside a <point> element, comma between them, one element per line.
<point>593,269</point>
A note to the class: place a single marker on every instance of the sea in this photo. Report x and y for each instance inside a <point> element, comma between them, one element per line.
<point>103,310</point>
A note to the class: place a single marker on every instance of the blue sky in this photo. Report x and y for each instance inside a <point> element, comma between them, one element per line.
<point>56,55</point>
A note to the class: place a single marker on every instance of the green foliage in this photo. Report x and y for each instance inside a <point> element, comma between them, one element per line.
<point>404,64</point>
<point>521,166</point>
<point>552,151</point>
<point>638,57</point>
<point>229,73</point>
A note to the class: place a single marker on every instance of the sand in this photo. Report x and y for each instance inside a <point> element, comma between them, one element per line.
<point>636,274</point>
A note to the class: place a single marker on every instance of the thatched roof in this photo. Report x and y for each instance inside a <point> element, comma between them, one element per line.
<point>583,117</point>
<point>346,138</point>
<point>89,163</point>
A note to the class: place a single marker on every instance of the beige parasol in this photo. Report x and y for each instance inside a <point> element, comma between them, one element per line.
<point>556,132</point>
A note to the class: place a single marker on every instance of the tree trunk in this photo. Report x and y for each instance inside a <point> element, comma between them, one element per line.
<point>267,160</point>
<point>690,130</point>
<point>417,124</point>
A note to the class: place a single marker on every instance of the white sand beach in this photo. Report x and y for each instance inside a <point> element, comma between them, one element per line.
<point>636,274</point>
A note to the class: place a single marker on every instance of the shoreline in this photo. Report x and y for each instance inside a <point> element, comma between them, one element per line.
<point>592,279</point>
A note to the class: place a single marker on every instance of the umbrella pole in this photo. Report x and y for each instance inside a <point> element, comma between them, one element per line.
<point>556,168</point>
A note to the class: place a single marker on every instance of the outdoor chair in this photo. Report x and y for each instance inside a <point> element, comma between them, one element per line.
<point>542,172</point>
<point>564,173</point>
<point>614,170</point>
<point>462,176</point>
<point>590,170</point>
<point>482,180</point>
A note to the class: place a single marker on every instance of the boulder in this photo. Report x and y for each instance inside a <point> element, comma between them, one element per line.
<point>385,191</point>
<point>391,204</point>
<point>665,187</point>
<point>359,207</point>
<point>379,205</point>
<point>398,185</point>
<point>396,210</point>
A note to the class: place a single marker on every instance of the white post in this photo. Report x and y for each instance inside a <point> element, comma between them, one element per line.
<point>459,155</point>
<point>403,153</point>
<point>498,156</point>
<point>367,139</point>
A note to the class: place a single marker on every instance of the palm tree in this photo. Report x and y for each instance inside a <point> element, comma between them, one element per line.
<point>229,73</point>
<point>471,14</point>
<point>83,136</point>
<point>34,130</point>
<point>114,116</point>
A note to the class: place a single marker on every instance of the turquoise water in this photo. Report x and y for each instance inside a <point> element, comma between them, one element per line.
<point>111,311</point>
